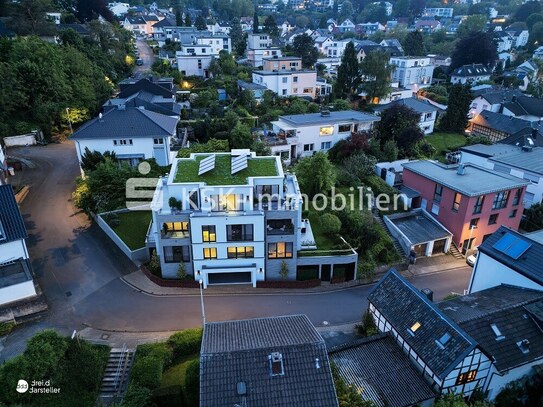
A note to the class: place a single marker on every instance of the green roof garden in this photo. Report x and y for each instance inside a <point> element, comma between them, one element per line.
<point>187,170</point>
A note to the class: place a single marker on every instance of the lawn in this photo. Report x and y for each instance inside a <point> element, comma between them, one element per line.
<point>324,242</point>
<point>175,375</point>
<point>187,171</point>
<point>445,142</point>
<point>132,227</point>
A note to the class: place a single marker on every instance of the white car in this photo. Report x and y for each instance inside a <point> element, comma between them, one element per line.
<point>471,259</point>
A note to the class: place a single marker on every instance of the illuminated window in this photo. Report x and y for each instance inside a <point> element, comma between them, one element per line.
<point>175,229</point>
<point>241,252</point>
<point>280,250</point>
<point>466,377</point>
<point>308,90</point>
<point>210,253</point>
<point>230,202</point>
<point>208,234</point>
<point>326,131</point>
<point>456,203</point>
<point>414,327</point>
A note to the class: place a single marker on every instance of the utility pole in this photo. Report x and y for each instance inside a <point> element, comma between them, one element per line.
<point>201,281</point>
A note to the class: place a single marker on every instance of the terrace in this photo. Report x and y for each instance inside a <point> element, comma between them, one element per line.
<point>187,170</point>
<point>283,137</point>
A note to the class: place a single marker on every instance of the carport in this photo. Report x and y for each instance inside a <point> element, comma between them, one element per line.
<point>418,231</point>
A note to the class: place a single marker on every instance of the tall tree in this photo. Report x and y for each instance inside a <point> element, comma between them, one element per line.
<point>394,125</point>
<point>470,24</point>
<point>90,9</point>
<point>456,117</point>
<point>475,48</point>
<point>270,27</point>
<point>528,8</point>
<point>188,21</point>
<point>237,37</point>
<point>304,47</point>
<point>178,17</point>
<point>536,36</point>
<point>255,23</point>
<point>414,44</point>
<point>376,71</point>
<point>348,74</point>
<point>416,7</point>
<point>532,19</point>
<point>200,23</point>
<point>28,18</point>
<point>315,174</point>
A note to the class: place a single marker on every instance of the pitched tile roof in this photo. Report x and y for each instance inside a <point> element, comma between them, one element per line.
<point>238,351</point>
<point>417,105</point>
<point>373,364</point>
<point>12,226</point>
<point>529,264</point>
<point>128,122</point>
<point>507,124</point>
<point>497,95</point>
<point>514,313</point>
<point>526,105</point>
<point>129,87</point>
<point>531,161</point>
<point>403,306</point>
<point>471,70</point>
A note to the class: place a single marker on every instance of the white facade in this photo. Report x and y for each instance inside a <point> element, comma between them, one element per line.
<point>446,12</point>
<point>259,46</point>
<point>288,83</point>
<point>118,9</point>
<point>489,272</point>
<point>194,60</point>
<point>412,72</point>
<point>216,43</point>
<point>480,103</point>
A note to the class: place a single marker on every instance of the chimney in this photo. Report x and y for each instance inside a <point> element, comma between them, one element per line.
<point>461,170</point>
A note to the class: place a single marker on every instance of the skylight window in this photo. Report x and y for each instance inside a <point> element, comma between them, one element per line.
<point>414,328</point>
<point>497,332</point>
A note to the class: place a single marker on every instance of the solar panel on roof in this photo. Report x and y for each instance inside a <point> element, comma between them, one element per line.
<point>239,163</point>
<point>207,164</point>
<point>512,246</point>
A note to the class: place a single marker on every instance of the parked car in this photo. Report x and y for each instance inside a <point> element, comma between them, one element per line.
<point>139,61</point>
<point>471,259</point>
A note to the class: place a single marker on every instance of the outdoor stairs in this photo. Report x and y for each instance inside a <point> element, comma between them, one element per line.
<point>453,250</point>
<point>115,379</point>
<point>395,241</point>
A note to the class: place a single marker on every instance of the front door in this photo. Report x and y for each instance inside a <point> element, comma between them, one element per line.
<point>468,243</point>
<point>326,272</point>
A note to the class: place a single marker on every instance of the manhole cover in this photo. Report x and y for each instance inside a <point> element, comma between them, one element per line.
<point>325,322</point>
<point>105,336</point>
<point>68,293</point>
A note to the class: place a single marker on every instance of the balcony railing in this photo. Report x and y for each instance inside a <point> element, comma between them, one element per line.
<point>174,235</point>
<point>281,138</point>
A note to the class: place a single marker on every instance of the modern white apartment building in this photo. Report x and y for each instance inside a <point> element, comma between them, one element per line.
<point>217,42</point>
<point>301,135</point>
<point>232,218</point>
<point>260,46</point>
<point>302,83</point>
<point>412,72</point>
<point>446,12</point>
<point>194,60</point>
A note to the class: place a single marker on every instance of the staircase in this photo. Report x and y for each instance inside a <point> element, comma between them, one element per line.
<point>395,241</point>
<point>453,250</point>
<point>115,378</point>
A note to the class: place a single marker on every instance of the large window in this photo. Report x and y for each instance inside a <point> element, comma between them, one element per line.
<point>208,234</point>
<point>516,198</point>
<point>176,254</point>
<point>478,204</point>
<point>493,219</point>
<point>175,229</point>
<point>466,377</point>
<point>456,202</point>
<point>500,200</point>
<point>326,131</point>
<point>210,253</point>
<point>309,147</point>
<point>230,202</point>
<point>279,250</point>
<point>237,233</point>
<point>438,192</point>
<point>344,128</point>
<point>241,252</point>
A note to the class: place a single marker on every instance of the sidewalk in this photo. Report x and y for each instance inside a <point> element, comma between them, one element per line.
<point>139,282</point>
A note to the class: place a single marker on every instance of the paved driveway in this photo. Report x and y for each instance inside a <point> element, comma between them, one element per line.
<point>146,54</point>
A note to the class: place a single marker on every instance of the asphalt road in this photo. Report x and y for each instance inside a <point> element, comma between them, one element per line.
<point>78,268</point>
<point>146,54</point>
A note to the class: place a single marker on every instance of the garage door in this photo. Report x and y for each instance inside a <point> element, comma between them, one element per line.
<point>229,278</point>
<point>439,246</point>
<point>420,249</point>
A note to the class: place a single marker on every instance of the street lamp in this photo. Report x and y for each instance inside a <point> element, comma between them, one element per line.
<point>69,121</point>
<point>471,227</point>
<point>201,281</point>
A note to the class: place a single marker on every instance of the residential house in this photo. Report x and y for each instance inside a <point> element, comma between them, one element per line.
<point>155,85</point>
<point>53,17</point>
<point>524,107</point>
<point>499,128</point>
<point>256,89</point>
<point>219,28</point>
<point>505,321</point>
<point>448,358</point>
<point>194,60</point>
<point>132,133</point>
<point>345,26</point>
<point>118,9</point>
<point>386,4</point>
<point>538,53</point>
<point>282,64</point>
<point>440,60</point>
<point>265,362</point>
<point>136,24</point>
<point>322,44</point>
<point>15,269</point>
<point>442,12</point>
<point>167,30</point>
<point>523,163</point>
<point>427,112</point>
<point>526,73</point>
<point>519,36</point>
<point>427,26</point>
<point>392,42</point>
<point>285,77</point>
<point>491,99</point>
<point>372,364</point>
<point>507,257</point>
<point>412,72</point>
<point>471,74</point>
<point>217,42</point>
<point>504,42</point>
<point>468,200</point>
<point>260,46</point>
<point>301,135</point>
<point>368,28</point>
<point>235,218</point>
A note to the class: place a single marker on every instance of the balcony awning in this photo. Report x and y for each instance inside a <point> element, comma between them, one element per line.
<point>282,126</point>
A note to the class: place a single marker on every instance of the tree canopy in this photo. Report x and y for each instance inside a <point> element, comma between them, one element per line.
<point>414,43</point>
<point>456,117</point>
<point>474,48</point>
<point>348,74</point>
<point>304,47</point>
<point>315,174</point>
<point>376,72</point>
<point>400,124</point>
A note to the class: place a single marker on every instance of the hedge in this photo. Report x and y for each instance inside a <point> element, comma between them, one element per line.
<point>137,396</point>
<point>147,371</point>
<point>185,343</point>
<point>169,283</point>
<point>169,396</point>
<point>159,350</point>
<point>315,282</point>
<point>192,384</point>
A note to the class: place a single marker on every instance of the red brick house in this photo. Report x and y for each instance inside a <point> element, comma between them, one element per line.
<point>470,201</point>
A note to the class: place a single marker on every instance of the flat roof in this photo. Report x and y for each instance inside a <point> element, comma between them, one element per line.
<point>492,150</point>
<point>282,59</point>
<point>418,227</point>
<point>186,170</point>
<point>475,181</point>
<point>309,119</point>
<point>526,160</point>
<point>285,72</point>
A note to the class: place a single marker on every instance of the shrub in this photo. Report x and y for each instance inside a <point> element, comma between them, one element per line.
<point>283,271</point>
<point>147,371</point>
<point>6,328</point>
<point>192,383</point>
<point>185,343</point>
<point>169,396</point>
<point>137,396</point>
<point>157,350</point>
<point>330,224</point>
<point>181,271</point>
<point>367,326</point>
<point>366,268</point>
<point>154,264</point>
<point>174,203</point>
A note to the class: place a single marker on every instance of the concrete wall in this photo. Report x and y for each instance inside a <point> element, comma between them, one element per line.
<point>17,292</point>
<point>22,140</point>
<point>13,250</point>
